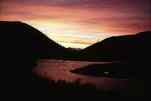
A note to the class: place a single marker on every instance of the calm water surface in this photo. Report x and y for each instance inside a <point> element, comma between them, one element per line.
<point>60,70</point>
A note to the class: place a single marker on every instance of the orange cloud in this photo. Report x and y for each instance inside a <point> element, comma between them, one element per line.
<point>84,22</point>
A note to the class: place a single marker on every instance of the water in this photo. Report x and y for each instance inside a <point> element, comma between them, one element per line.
<point>60,70</point>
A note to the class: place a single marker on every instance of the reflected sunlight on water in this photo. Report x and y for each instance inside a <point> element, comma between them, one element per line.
<point>60,70</point>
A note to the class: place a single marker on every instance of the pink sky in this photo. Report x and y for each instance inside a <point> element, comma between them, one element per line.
<point>80,23</point>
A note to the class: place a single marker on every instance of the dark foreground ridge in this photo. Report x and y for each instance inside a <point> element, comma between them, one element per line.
<point>63,89</point>
<point>112,70</point>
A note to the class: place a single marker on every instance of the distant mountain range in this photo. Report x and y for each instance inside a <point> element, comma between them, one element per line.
<point>132,53</point>
<point>126,47</point>
<point>118,48</point>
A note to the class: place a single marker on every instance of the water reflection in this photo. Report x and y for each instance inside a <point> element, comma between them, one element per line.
<point>60,70</point>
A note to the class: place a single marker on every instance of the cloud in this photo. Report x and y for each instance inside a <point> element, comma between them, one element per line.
<point>82,17</point>
<point>85,13</point>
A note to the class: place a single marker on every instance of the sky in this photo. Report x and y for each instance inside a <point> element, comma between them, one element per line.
<point>80,23</point>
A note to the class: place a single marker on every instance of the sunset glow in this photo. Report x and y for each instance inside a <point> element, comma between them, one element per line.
<point>80,23</point>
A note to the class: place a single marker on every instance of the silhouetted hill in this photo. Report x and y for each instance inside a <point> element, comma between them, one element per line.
<point>131,51</point>
<point>126,47</point>
<point>40,45</point>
